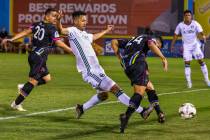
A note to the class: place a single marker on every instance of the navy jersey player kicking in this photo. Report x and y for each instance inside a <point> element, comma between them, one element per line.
<point>44,33</point>
<point>132,54</point>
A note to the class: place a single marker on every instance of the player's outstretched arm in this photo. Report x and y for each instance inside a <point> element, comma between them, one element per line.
<point>17,36</point>
<point>100,34</point>
<point>175,37</point>
<point>63,31</point>
<point>114,45</point>
<point>62,45</point>
<point>157,51</point>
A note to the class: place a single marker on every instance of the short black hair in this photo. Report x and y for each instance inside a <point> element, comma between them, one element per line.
<point>49,10</point>
<point>78,13</point>
<point>187,11</point>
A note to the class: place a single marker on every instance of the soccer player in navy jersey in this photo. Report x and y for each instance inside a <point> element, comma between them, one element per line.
<point>44,33</point>
<point>132,54</point>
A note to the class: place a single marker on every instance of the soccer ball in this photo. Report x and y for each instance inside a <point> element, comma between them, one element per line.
<point>187,110</point>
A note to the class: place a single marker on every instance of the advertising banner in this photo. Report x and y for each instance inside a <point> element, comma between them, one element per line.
<point>126,15</point>
<point>202,14</point>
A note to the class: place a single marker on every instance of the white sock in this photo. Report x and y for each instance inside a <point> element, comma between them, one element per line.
<point>205,72</point>
<point>123,98</point>
<point>91,102</point>
<point>188,74</point>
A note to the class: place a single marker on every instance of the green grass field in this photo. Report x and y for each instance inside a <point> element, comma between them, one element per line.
<point>101,122</point>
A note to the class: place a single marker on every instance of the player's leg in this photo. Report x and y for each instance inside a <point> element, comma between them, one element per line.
<point>204,70</point>
<point>36,64</point>
<point>107,84</point>
<point>134,103</point>
<point>198,55</point>
<point>153,99</point>
<point>187,56</point>
<point>94,100</point>
<point>25,91</point>
<point>138,74</point>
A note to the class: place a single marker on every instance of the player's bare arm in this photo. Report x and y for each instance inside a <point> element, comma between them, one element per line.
<point>62,45</point>
<point>62,30</point>
<point>153,47</point>
<point>175,37</point>
<point>114,45</point>
<point>202,36</point>
<point>100,34</point>
<point>17,36</point>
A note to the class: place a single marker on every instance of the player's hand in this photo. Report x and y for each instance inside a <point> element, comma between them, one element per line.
<point>60,15</point>
<point>110,28</point>
<point>165,64</point>
<point>5,41</point>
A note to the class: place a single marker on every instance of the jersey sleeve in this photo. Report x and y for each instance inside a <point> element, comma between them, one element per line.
<point>177,30</point>
<point>151,40</point>
<point>198,27</point>
<point>54,34</point>
<point>122,43</point>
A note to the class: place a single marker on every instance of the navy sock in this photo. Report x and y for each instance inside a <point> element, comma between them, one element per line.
<point>153,99</point>
<point>41,82</point>
<point>25,91</point>
<point>133,104</point>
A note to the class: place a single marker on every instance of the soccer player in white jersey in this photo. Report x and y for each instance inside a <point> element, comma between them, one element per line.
<point>191,32</point>
<point>89,67</point>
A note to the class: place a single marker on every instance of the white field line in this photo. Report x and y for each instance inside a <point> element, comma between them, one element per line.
<point>71,108</point>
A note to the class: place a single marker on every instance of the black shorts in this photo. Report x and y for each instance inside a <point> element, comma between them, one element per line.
<point>38,67</point>
<point>138,73</point>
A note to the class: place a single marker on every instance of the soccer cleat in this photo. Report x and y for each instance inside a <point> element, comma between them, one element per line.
<point>208,83</point>
<point>189,85</point>
<point>17,107</point>
<point>161,117</point>
<point>146,112</point>
<point>20,86</point>
<point>79,111</point>
<point>123,122</point>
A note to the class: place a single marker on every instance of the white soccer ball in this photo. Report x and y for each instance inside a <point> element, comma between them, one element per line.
<point>187,110</point>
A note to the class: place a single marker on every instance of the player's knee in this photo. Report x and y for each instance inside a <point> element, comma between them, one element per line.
<point>201,62</point>
<point>33,81</point>
<point>187,65</point>
<point>47,78</point>
<point>103,96</point>
<point>115,89</point>
<point>152,96</point>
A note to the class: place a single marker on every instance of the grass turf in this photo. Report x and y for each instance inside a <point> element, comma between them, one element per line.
<point>101,122</point>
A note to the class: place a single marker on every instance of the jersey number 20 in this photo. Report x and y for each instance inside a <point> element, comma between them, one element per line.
<point>39,34</point>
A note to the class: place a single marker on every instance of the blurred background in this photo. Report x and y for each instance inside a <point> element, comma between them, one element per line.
<point>130,17</point>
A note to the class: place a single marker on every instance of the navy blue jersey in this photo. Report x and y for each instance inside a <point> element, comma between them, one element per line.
<point>43,34</point>
<point>133,50</point>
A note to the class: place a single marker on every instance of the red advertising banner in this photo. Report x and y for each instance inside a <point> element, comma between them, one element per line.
<point>126,15</point>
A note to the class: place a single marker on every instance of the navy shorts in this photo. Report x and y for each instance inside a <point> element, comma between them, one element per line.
<point>138,73</point>
<point>38,67</point>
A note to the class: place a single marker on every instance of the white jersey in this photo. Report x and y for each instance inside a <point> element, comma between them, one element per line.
<point>189,32</point>
<point>80,42</point>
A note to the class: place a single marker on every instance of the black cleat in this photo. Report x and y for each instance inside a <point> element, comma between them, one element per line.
<point>79,111</point>
<point>161,117</point>
<point>146,112</point>
<point>123,122</point>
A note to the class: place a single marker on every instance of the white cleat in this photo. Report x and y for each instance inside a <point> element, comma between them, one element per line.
<point>20,86</point>
<point>208,83</point>
<point>17,107</point>
<point>189,85</point>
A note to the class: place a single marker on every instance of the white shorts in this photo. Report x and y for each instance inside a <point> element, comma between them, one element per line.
<point>191,51</point>
<point>98,80</point>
